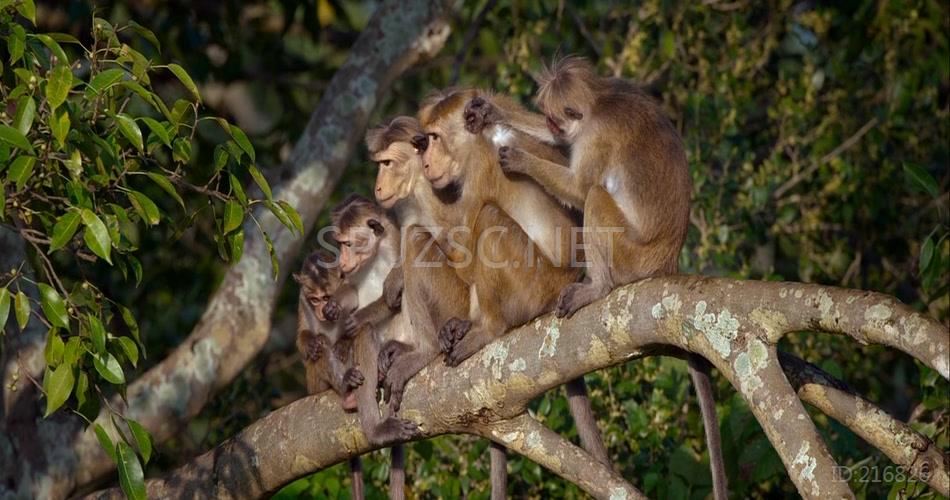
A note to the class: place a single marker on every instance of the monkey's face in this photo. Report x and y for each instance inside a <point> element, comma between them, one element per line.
<point>398,165</point>
<point>358,244</point>
<point>439,167</point>
<point>565,123</point>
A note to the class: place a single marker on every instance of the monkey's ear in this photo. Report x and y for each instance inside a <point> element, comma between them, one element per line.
<point>376,227</point>
<point>298,278</point>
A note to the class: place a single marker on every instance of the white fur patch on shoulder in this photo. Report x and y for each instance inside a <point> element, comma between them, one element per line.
<point>612,183</point>
<point>501,136</point>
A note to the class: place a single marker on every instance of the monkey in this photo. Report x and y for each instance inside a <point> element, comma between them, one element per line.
<point>531,219</point>
<point>369,243</point>
<point>327,355</point>
<point>628,169</point>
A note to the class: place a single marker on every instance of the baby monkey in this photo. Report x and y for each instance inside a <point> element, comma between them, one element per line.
<point>327,354</point>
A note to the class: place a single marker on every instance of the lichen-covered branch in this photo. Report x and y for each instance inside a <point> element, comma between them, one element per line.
<point>734,324</point>
<point>902,444</point>
<point>526,436</point>
<point>236,323</point>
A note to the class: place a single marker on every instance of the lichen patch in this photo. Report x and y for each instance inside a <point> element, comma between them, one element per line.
<point>618,494</point>
<point>720,330</point>
<point>494,356</point>
<point>808,464</point>
<point>549,343</point>
<point>517,365</point>
<point>749,363</point>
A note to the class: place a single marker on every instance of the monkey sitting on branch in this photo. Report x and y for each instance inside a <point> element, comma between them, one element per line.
<point>326,353</point>
<point>629,176</point>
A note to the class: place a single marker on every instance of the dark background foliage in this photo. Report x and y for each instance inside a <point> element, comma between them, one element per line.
<point>817,134</point>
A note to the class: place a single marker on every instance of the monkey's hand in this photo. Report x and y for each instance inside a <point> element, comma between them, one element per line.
<point>512,159</point>
<point>393,296</point>
<point>352,379</point>
<point>314,346</point>
<point>332,310</point>
<point>479,113</point>
<point>451,332</point>
<point>354,323</point>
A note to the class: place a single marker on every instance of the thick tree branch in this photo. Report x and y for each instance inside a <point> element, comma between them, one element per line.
<point>236,323</point>
<point>734,324</point>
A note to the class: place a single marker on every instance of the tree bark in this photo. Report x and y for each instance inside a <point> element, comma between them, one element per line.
<point>733,324</point>
<point>236,323</point>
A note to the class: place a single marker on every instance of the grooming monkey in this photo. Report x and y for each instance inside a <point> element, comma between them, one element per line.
<point>535,225</point>
<point>369,250</point>
<point>628,170</point>
<point>326,353</point>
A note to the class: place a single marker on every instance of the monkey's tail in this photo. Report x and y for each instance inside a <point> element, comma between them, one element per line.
<point>356,477</point>
<point>699,372</point>
<point>499,472</point>
<point>397,472</point>
<point>584,420</point>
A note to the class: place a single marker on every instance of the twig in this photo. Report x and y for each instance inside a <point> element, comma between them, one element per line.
<point>844,146</point>
<point>468,39</point>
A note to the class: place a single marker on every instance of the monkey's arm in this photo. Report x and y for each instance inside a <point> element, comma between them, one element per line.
<point>380,309</point>
<point>537,148</point>
<point>510,112</point>
<point>560,182</point>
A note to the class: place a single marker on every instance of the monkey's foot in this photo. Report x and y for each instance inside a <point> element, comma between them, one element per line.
<point>394,430</point>
<point>332,310</point>
<point>352,379</point>
<point>478,114</point>
<point>574,297</point>
<point>315,346</point>
<point>350,402</point>
<point>387,355</point>
<point>452,332</point>
<point>463,350</point>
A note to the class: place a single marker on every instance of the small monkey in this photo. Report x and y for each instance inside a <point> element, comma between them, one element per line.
<point>326,353</point>
<point>369,251</point>
<point>627,171</point>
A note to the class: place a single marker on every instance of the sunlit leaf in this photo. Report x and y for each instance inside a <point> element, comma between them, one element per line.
<point>148,35</point>
<point>166,186</point>
<point>129,320</point>
<point>158,129</point>
<point>109,368</point>
<point>130,350</point>
<point>25,112</point>
<point>59,125</point>
<point>53,47</point>
<point>143,440</point>
<point>241,139</point>
<point>97,333</point>
<point>220,158</point>
<point>58,83</point>
<point>236,242</point>
<point>105,441</point>
<point>4,307</point>
<point>16,42</point>
<point>20,171</point>
<point>261,182</point>
<point>53,305</point>
<point>292,215</point>
<point>233,216</point>
<point>72,351</point>
<point>54,350</point>
<point>130,130</point>
<point>185,80</point>
<point>14,138</point>
<point>279,213</point>
<point>131,478</point>
<point>58,387</point>
<point>145,207</point>
<point>64,230</point>
<point>27,9</point>
<point>96,235</point>
<point>105,79</point>
<point>22,309</point>
<point>237,190</point>
<point>274,264</point>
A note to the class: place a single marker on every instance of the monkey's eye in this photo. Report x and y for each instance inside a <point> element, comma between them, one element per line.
<point>573,114</point>
<point>314,300</point>
<point>433,136</point>
<point>385,163</point>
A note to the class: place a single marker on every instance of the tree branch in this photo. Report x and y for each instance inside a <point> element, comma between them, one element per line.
<point>734,324</point>
<point>236,322</point>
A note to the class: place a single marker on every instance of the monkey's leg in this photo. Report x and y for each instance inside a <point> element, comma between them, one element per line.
<point>597,241</point>
<point>499,471</point>
<point>699,372</point>
<point>397,472</point>
<point>585,421</point>
<point>377,432</point>
<point>356,477</point>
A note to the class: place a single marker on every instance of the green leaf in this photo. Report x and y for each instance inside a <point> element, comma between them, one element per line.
<point>16,42</point>
<point>273,255</point>
<point>130,350</point>
<point>64,230</point>
<point>145,207</point>
<point>53,47</point>
<point>4,307</point>
<point>668,45</point>
<point>158,130</point>
<point>148,35</point>
<point>72,351</point>
<point>220,158</point>
<point>926,254</point>
<point>279,213</point>
<point>59,81</point>
<point>236,242</point>
<point>237,190</point>
<point>64,38</point>
<point>166,186</point>
<point>241,138</point>
<point>25,112</point>
<point>233,216</point>
<point>109,368</point>
<point>181,150</point>
<point>20,171</point>
<point>74,163</point>
<point>58,387</point>
<point>292,215</point>
<point>922,179</point>
<point>53,305</point>
<point>261,182</point>
<point>185,80</point>
<point>131,478</point>
<point>142,439</point>
<point>96,235</point>
<point>27,9</point>
<point>130,130</point>
<point>105,441</point>
<point>105,79</point>
<point>132,324</point>
<point>53,353</point>
<point>97,333</point>
<point>82,383</point>
<point>22,309</point>
<point>14,138</point>
<point>59,125</point>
